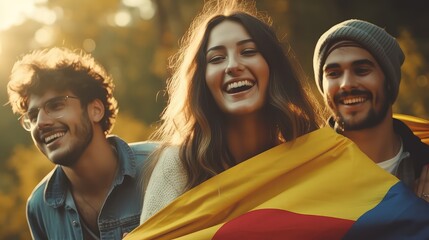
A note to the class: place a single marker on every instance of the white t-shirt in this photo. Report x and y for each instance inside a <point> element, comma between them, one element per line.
<point>391,165</point>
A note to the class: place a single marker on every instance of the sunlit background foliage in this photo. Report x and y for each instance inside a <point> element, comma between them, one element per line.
<point>133,40</point>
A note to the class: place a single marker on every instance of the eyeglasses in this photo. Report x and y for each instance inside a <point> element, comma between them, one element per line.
<point>54,108</point>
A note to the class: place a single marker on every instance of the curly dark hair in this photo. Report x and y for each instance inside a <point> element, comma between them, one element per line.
<point>62,69</point>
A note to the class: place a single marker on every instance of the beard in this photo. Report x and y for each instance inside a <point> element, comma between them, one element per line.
<point>372,119</point>
<point>84,134</point>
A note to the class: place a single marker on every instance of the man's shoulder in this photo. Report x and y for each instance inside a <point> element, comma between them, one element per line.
<point>412,138</point>
<point>143,147</point>
<point>410,125</point>
<point>134,150</point>
<point>142,150</point>
<point>409,132</point>
<point>37,196</point>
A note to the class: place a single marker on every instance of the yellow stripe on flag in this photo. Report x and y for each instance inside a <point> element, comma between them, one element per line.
<point>321,173</point>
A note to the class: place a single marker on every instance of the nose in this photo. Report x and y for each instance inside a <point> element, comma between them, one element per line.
<point>348,81</point>
<point>43,119</point>
<point>234,67</point>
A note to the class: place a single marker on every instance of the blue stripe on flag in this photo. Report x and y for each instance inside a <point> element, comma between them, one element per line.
<point>400,215</point>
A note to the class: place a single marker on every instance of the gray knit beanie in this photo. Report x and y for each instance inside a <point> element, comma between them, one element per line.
<point>374,39</point>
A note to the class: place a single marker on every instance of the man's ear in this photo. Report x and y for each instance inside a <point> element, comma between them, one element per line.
<point>96,110</point>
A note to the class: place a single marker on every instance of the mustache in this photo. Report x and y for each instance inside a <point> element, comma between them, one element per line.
<point>353,92</point>
<point>45,130</point>
<point>41,132</point>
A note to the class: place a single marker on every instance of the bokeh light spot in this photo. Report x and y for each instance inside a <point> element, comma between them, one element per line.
<point>45,36</point>
<point>122,18</point>
<point>89,45</point>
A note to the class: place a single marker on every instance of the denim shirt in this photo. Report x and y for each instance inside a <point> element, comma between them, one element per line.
<point>52,213</point>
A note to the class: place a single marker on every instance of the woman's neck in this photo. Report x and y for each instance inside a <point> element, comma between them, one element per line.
<point>248,136</point>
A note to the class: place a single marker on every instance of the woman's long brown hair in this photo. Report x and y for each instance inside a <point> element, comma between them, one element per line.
<point>193,121</point>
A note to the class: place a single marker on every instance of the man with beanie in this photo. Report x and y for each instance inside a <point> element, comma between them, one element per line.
<point>357,68</point>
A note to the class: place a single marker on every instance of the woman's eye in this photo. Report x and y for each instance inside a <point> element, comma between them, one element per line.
<point>216,59</point>
<point>249,51</point>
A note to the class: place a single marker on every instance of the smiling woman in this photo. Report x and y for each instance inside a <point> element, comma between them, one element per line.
<point>234,93</point>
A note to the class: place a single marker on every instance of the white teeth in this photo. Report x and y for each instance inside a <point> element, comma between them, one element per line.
<point>239,84</point>
<point>56,135</point>
<point>354,100</point>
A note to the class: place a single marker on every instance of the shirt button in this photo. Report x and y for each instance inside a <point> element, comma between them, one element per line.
<point>75,223</point>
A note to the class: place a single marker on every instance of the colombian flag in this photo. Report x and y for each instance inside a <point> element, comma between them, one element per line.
<point>320,186</point>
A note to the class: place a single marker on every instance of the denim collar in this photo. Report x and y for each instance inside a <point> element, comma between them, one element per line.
<point>58,184</point>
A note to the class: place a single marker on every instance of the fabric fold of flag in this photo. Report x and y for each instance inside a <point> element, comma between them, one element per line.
<point>320,186</point>
<point>419,126</point>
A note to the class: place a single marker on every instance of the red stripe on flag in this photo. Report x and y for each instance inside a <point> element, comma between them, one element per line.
<point>280,224</point>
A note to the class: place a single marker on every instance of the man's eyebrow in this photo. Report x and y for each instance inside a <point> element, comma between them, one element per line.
<point>354,63</point>
<point>364,62</point>
<point>331,65</point>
